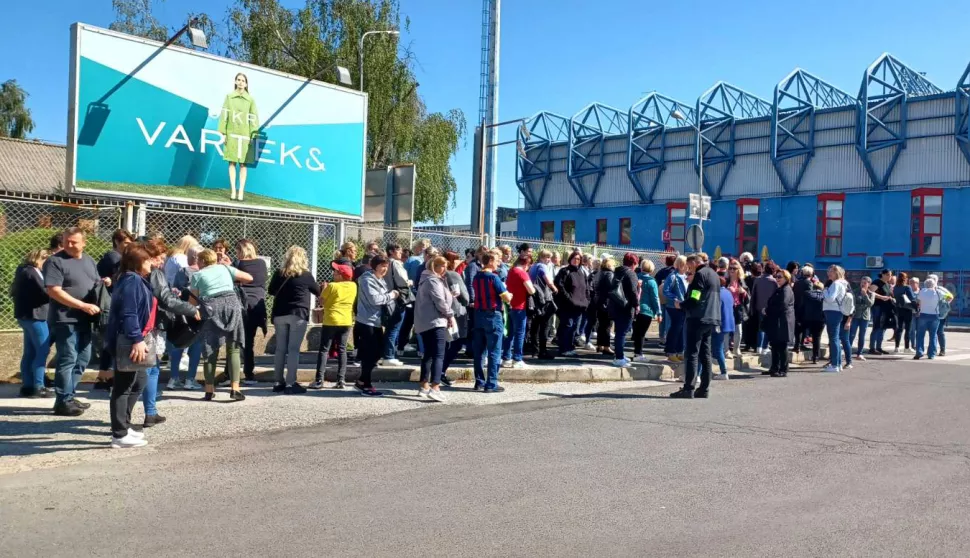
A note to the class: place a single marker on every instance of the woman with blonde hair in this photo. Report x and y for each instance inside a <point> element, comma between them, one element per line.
<point>292,286</point>
<point>433,316</point>
<point>254,303</point>
<point>836,322</point>
<point>30,308</point>
<point>177,258</point>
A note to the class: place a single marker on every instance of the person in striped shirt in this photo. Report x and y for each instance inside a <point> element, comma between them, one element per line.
<point>490,294</point>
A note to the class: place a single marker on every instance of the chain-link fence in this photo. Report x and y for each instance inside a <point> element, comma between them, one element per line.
<point>597,250</point>
<point>28,225</point>
<point>443,241</point>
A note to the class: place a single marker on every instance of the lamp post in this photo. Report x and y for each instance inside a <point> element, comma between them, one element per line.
<point>360,50</point>
<point>679,116</point>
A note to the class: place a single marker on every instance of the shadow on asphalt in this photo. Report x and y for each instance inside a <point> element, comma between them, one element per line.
<point>33,438</point>
<point>606,395</point>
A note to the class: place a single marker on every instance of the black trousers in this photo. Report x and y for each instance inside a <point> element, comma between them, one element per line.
<point>537,333</point>
<point>339,336</point>
<point>904,322</point>
<point>433,360</point>
<point>751,329</point>
<point>372,345</point>
<point>779,356</point>
<point>698,348</point>
<point>405,337</point>
<point>250,325</point>
<point>814,330</point>
<point>125,393</point>
<point>603,324</point>
<point>640,326</point>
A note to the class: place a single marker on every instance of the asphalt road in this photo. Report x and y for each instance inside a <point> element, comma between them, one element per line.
<point>872,462</point>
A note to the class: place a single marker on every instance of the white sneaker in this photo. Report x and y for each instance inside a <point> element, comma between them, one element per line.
<point>582,339</point>
<point>128,441</point>
<point>860,358</point>
<point>225,383</point>
<point>570,354</point>
<point>408,348</point>
<point>621,363</point>
<point>590,346</point>
<point>423,393</point>
<point>720,377</point>
<point>909,351</point>
<point>641,358</point>
<point>191,385</point>
<point>830,368</point>
<point>436,395</point>
<point>174,383</point>
<point>519,365</point>
<point>847,367</point>
<point>136,434</point>
<point>896,351</point>
<point>507,363</point>
<point>391,362</point>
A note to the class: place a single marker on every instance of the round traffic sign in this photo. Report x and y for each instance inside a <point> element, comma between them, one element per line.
<point>695,238</point>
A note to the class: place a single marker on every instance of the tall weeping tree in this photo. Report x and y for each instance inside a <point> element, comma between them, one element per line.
<point>15,120</point>
<point>312,40</point>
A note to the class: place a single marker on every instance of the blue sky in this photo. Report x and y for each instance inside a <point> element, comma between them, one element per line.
<point>560,55</point>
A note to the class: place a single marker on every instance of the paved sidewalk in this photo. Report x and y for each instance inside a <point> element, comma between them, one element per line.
<point>32,438</point>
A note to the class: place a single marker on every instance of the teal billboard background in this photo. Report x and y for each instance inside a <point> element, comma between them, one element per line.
<point>135,133</point>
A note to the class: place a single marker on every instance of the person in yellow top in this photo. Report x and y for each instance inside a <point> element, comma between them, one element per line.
<point>239,124</point>
<point>338,320</point>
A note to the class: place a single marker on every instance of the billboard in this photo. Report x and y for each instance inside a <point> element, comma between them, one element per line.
<point>155,122</point>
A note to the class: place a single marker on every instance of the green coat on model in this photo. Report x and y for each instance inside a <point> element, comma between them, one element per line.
<point>246,124</point>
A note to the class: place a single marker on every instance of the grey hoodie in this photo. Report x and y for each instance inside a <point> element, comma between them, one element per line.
<point>372,296</point>
<point>433,305</point>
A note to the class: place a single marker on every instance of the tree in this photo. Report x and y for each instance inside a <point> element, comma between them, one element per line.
<point>15,120</point>
<point>312,40</point>
<point>135,17</point>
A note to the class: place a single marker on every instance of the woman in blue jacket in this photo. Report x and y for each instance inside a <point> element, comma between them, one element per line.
<point>649,308</point>
<point>131,340</point>
<point>728,327</point>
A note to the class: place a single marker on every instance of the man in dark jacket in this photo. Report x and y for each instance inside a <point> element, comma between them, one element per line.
<point>573,301</point>
<point>625,282</point>
<point>802,285</point>
<point>660,277</point>
<point>703,308</point>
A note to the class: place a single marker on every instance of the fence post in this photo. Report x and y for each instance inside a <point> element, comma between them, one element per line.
<point>341,233</point>
<point>315,247</point>
<point>130,217</point>
<point>142,218</point>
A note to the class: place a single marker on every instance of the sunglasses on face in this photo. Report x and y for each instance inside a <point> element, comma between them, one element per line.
<point>779,276</point>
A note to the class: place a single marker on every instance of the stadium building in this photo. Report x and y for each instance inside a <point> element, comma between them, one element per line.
<point>815,174</point>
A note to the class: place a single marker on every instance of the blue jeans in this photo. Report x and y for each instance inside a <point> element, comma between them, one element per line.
<point>845,341</point>
<point>513,344</point>
<point>717,352</point>
<point>175,357</point>
<point>833,323</point>
<point>393,332</point>
<point>73,344</point>
<point>621,325</point>
<point>875,340</point>
<point>150,393</point>
<point>581,323</point>
<point>568,320</point>
<point>941,335</point>
<point>675,331</point>
<point>664,323</point>
<point>860,326</point>
<point>927,323</point>
<point>487,345</point>
<point>452,351</point>
<point>37,345</point>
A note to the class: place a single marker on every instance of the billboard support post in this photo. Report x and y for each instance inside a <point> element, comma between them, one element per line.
<point>140,225</point>
<point>315,246</point>
<point>130,217</point>
<point>341,234</point>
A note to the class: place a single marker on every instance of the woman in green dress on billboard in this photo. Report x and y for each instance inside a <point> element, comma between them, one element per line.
<point>239,124</point>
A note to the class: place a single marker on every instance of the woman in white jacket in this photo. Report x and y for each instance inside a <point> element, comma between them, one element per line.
<point>836,323</point>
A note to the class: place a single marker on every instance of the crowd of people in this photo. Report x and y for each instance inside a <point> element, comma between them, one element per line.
<point>145,300</point>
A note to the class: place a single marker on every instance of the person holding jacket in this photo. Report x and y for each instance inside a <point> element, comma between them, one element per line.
<point>433,317</point>
<point>834,295</point>
<point>373,300</point>
<point>649,308</point>
<point>864,299</point>
<point>625,283</point>
<point>30,308</point>
<point>292,286</point>
<point>779,323</point>
<point>675,290</point>
<point>573,301</point>
<point>600,303</point>
<point>129,337</point>
<point>169,306</point>
<point>459,306</point>
<point>703,315</point>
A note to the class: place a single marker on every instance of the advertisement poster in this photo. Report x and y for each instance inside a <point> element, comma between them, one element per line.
<point>168,123</point>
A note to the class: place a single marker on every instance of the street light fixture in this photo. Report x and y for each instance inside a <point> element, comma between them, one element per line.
<point>679,116</point>
<point>360,50</point>
<point>196,35</point>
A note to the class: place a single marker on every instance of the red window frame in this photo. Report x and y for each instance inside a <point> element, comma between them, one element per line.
<point>626,231</point>
<point>918,217</point>
<point>741,237</point>
<point>551,227</point>
<point>601,234</point>
<point>677,242</point>
<point>562,232</point>
<point>822,236</point>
